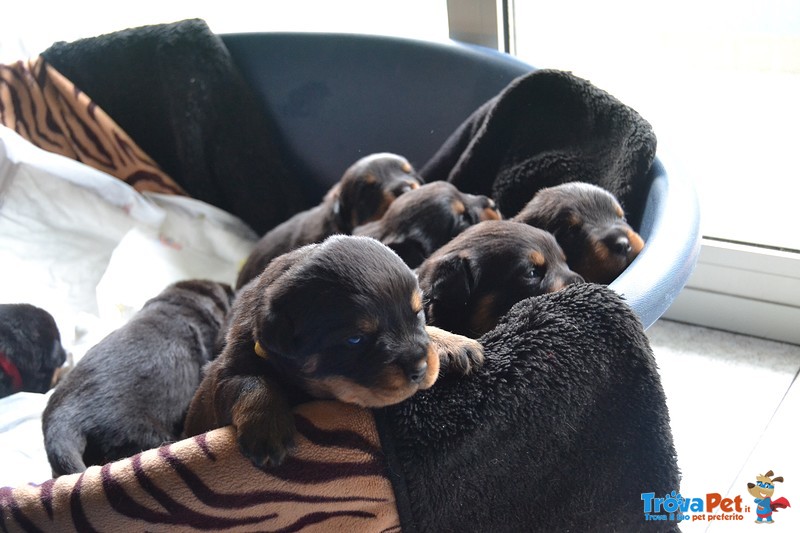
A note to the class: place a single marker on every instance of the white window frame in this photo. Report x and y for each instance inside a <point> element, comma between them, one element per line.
<point>744,289</point>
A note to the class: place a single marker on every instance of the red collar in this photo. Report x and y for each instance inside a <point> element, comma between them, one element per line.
<point>13,372</point>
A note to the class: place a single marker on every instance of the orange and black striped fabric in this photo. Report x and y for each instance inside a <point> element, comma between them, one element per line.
<point>334,481</point>
<point>45,108</point>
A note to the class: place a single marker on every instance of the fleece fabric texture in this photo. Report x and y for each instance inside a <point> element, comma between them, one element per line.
<point>547,128</point>
<point>176,91</point>
<point>562,429</point>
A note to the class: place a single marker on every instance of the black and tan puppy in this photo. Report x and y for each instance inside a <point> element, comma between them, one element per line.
<point>425,219</point>
<point>589,225</point>
<point>130,392</point>
<point>472,281</point>
<point>30,349</point>
<point>337,320</point>
<point>363,194</point>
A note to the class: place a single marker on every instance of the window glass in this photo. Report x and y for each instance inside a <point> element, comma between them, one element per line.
<point>25,32</point>
<point>719,80</point>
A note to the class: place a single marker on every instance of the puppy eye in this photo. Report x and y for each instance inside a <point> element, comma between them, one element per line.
<point>356,340</point>
<point>534,273</point>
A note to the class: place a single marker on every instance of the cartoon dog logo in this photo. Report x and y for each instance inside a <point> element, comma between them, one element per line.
<point>762,490</point>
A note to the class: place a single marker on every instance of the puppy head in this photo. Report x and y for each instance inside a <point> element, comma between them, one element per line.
<point>424,219</point>
<point>590,226</point>
<point>369,186</point>
<point>472,281</point>
<point>342,319</point>
<point>30,349</point>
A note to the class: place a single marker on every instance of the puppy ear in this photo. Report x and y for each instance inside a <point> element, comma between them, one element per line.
<point>351,206</point>
<point>453,280</point>
<point>276,332</point>
<point>264,304</point>
<point>339,205</point>
<point>410,250</point>
<point>340,214</point>
<point>57,355</point>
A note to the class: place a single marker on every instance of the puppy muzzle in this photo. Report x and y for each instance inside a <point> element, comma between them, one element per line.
<point>561,281</point>
<point>417,372</point>
<point>624,243</point>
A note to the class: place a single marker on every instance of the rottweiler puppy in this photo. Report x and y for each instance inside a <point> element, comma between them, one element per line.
<point>340,320</point>
<point>30,349</point>
<point>363,194</point>
<point>589,225</point>
<point>130,392</point>
<point>473,280</point>
<point>425,219</point>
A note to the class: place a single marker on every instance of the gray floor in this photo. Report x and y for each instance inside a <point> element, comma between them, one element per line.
<point>734,405</point>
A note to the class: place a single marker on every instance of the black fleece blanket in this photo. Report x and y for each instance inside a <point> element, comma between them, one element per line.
<point>562,429</point>
<point>176,91</point>
<point>544,129</point>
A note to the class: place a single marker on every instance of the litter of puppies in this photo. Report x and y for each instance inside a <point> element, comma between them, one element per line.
<point>366,299</point>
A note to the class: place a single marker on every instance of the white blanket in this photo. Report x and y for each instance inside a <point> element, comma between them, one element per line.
<point>91,250</point>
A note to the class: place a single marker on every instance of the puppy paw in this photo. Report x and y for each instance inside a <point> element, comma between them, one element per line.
<point>266,442</point>
<point>264,422</point>
<point>457,353</point>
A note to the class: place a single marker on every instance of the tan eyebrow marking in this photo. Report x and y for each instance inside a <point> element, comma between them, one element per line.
<point>537,258</point>
<point>416,301</point>
<point>458,207</point>
<point>620,212</point>
<point>368,325</point>
<point>406,168</point>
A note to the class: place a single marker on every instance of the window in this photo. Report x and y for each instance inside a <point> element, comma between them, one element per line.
<point>25,32</point>
<point>718,81</point>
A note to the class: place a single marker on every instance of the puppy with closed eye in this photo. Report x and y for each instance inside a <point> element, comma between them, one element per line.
<point>130,392</point>
<point>589,225</point>
<point>364,193</point>
<point>473,280</point>
<point>339,320</point>
<point>427,218</point>
<point>30,349</point>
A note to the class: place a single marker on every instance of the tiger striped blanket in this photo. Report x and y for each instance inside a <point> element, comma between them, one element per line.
<point>48,110</point>
<point>334,481</point>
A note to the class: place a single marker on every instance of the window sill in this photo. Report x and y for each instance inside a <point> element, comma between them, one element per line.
<point>743,289</point>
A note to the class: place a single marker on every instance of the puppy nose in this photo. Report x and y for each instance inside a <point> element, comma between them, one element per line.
<point>417,374</point>
<point>621,245</point>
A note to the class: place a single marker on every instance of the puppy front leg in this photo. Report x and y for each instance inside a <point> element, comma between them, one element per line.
<point>457,353</point>
<point>258,409</point>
